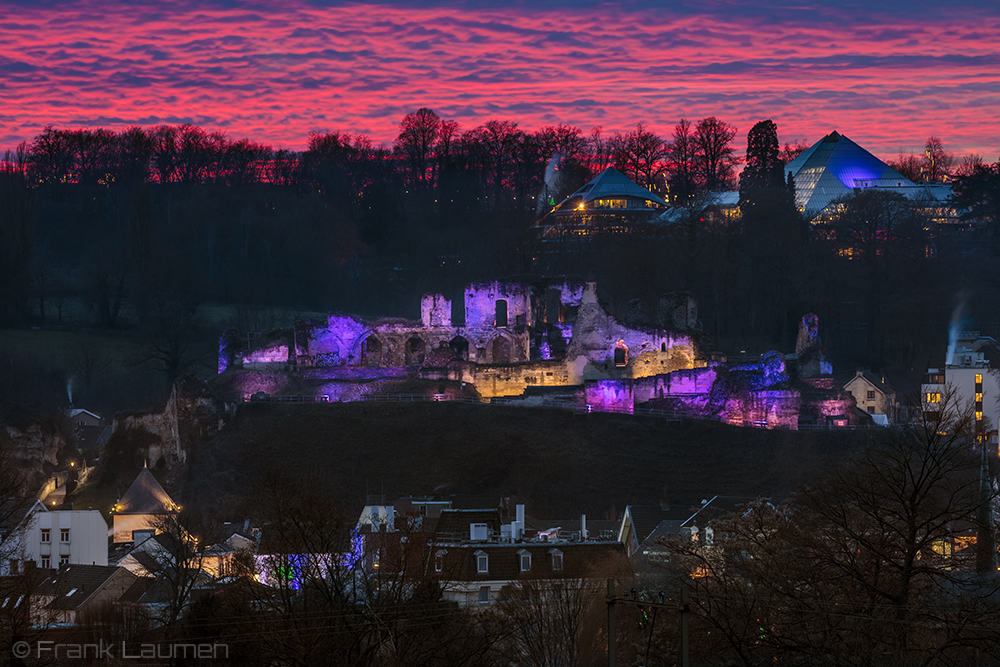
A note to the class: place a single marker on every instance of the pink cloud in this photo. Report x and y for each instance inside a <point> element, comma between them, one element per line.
<point>277,75</point>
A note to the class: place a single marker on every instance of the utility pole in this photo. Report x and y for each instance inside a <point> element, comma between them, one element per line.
<point>985,546</point>
<point>684,608</point>
<point>612,649</point>
<point>685,612</point>
<point>985,561</point>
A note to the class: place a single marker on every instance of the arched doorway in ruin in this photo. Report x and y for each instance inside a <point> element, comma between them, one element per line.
<point>370,352</point>
<point>460,347</point>
<point>415,351</point>
<point>501,350</point>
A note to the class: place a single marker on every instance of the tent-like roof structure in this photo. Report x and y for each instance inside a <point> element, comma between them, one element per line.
<point>832,168</point>
<point>145,496</point>
<point>610,184</point>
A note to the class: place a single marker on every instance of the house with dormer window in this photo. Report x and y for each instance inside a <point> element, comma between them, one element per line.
<point>478,556</point>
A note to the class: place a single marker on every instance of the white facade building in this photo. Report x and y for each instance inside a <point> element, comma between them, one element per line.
<point>969,380</point>
<point>53,538</point>
<point>60,537</point>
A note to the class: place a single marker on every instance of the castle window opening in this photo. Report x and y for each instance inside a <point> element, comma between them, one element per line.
<point>621,354</point>
<point>553,306</point>
<point>501,313</point>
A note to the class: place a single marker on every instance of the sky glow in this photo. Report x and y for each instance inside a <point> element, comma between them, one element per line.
<point>885,74</point>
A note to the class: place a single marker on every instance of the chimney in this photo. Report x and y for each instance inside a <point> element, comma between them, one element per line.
<point>583,526</point>
<point>517,527</point>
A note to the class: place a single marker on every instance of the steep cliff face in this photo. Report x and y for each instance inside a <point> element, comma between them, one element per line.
<point>188,418</point>
<point>34,444</point>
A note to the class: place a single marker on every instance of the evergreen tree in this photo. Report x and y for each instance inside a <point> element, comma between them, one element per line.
<point>765,195</point>
<point>764,168</point>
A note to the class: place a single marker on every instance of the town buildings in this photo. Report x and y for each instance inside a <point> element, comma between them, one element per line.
<point>968,383</point>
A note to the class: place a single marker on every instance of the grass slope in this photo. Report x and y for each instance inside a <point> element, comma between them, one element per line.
<point>557,463</point>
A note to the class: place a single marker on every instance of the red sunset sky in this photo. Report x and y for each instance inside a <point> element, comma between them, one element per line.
<point>886,74</point>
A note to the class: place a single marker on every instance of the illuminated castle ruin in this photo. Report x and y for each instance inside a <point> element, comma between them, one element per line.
<point>542,343</point>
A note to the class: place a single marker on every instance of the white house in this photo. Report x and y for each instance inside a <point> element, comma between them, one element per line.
<point>15,520</point>
<point>968,376</point>
<point>80,417</point>
<point>67,537</point>
<point>55,538</point>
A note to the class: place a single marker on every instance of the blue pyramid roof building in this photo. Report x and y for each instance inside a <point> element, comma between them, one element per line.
<point>833,167</point>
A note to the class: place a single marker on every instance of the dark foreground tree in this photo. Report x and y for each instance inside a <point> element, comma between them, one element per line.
<point>327,594</point>
<point>872,565</point>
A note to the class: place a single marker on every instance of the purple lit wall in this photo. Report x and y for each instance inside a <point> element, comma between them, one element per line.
<point>481,303</point>
<point>610,396</point>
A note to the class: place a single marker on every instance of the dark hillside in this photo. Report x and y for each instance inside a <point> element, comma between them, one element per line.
<point>554,461</point>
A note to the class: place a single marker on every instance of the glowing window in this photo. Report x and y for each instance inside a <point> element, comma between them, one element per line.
<point>979,378</point>
<point>612,203</point>
<point>932,397</point>
<point>621,354</point>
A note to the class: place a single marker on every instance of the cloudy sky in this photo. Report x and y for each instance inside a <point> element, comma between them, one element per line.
<point>886,74</point>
